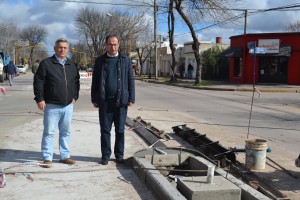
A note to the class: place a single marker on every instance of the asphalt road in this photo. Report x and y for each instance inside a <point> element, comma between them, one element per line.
<point>275,116</point>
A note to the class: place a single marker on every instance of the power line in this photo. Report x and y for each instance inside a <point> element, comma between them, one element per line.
<point>100,3</point>
<point>257,11</point>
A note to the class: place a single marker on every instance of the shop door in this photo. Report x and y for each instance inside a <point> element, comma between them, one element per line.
<point>273,69</point>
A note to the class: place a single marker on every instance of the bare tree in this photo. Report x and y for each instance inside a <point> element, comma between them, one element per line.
<point>95,26</point>
<point>35,35</point>
<point>195,11</point>
<point>143,48</point>
<point>8,36</point>
<point>92,25</point>
<point>293,27</point>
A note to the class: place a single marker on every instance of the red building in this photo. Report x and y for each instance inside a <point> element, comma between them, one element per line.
<point>276,60</point>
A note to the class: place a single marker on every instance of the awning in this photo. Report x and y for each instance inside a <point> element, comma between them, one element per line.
<point>232,52</point>
<point>283,51</point>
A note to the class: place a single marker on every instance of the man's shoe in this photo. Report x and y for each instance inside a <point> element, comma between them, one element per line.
<point>120,160</point>
<point>104,162</point>
<point>68,161</point>
<point>46,164</point>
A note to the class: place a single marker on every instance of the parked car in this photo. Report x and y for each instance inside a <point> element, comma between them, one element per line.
<point>89,69</point>
<point>22,69</point>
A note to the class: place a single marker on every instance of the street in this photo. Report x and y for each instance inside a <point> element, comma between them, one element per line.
<point>275,116</point>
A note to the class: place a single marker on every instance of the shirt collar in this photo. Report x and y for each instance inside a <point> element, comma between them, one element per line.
<point>60,60</point>
<point>112,56</point>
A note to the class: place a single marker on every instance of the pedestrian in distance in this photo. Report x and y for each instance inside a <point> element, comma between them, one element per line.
<point>11,71</point>
<point>112,91</point>
<point>181,70</point>
<point>35,66</point>
<point>56,89</point>
<point>190,71</point>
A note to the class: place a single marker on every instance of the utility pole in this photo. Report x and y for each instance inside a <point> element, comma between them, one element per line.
<point>244,61</point>
<point>155,39</point>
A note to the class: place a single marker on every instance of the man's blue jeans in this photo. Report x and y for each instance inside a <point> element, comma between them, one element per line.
<point>108,114</point>
<point>57,116</point>
<point>10,79</point>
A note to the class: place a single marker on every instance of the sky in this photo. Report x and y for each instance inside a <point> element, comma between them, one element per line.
<point>58,18</point>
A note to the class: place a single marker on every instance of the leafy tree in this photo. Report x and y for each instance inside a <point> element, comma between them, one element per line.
<point>212,62</point>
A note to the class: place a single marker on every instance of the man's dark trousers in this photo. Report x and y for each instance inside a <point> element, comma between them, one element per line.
<point>108,114</point>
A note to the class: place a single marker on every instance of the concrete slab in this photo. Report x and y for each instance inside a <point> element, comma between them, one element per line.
<point>196,188</point>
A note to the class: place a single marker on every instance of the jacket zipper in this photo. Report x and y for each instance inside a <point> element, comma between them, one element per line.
<point>66,83</point>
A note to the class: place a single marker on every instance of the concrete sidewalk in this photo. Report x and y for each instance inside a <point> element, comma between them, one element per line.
<point>85,180</point>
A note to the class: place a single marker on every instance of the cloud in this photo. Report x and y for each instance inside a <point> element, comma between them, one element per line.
<point>58,18</point>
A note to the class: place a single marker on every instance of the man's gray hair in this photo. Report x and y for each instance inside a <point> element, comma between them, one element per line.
<point>61,40</point>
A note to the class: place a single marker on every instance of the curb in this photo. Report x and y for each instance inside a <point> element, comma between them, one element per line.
<point>223,89</point>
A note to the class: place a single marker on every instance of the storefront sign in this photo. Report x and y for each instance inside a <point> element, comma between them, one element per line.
<point>271,45</point>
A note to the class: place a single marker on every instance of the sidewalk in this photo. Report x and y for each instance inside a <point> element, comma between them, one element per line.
<point>85,180</point>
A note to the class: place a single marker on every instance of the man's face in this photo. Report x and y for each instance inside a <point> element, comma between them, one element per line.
<point>61,50</point>
<point>112,46</point>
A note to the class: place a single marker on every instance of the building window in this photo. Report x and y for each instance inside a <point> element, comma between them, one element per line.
<point>238,66</point>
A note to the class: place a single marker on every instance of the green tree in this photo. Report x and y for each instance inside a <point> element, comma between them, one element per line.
<point>212,63</point>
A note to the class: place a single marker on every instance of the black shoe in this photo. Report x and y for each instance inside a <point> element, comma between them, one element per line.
<point>104,162</point>
<point>120,160</point>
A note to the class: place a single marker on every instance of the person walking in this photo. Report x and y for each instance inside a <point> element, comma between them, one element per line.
<point>190,71</point>
<point>11,71</point>
<point>112,91</point>
<point>35,66</point>
<point>56,89</point>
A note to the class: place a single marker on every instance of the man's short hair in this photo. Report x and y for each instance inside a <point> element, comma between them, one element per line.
<point>61,40</point>
<point>111,36</point>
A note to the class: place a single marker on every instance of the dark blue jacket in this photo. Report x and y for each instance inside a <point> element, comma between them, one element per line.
<point>11,69</point>
<point>126,87</point>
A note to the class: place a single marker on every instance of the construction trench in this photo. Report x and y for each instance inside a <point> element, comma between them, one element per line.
<point>208,171</point>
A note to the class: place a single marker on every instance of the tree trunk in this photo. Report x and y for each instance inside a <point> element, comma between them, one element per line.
<point>171,27</point>
<point>196,42</point>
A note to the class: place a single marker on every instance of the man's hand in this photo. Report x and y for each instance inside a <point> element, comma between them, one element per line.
<point>95,105</point>
<point>41,105</point>
<point>130,103</point>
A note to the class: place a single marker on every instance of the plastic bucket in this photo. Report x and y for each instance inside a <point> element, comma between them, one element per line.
<point>256,153</point>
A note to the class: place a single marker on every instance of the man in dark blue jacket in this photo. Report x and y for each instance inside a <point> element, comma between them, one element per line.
<point>112,92</point>
<point>56,88</point>
<point>11,71</point>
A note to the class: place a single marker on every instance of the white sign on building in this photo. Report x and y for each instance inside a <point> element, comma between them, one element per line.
<point>271,45</point>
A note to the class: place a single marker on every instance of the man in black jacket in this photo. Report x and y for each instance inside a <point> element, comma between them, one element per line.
<point>112,91</point>
<point>56,88</point>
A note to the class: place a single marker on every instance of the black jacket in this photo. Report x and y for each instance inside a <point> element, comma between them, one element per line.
<point>126,88</point>
<point>56,83</point>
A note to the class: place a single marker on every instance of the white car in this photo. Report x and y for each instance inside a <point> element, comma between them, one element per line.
<point>22,69</point>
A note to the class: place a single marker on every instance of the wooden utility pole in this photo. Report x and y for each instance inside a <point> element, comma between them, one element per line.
<point>155,39</point>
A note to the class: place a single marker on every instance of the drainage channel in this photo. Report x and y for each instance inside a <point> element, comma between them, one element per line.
<point>211,151</point>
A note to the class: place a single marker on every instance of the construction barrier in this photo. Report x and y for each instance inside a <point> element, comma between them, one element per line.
<point>85,74</point>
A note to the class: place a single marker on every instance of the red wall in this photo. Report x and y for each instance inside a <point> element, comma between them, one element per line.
<point>292,39</point>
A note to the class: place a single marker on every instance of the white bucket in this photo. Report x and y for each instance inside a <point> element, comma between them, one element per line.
<point>256,153</point>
